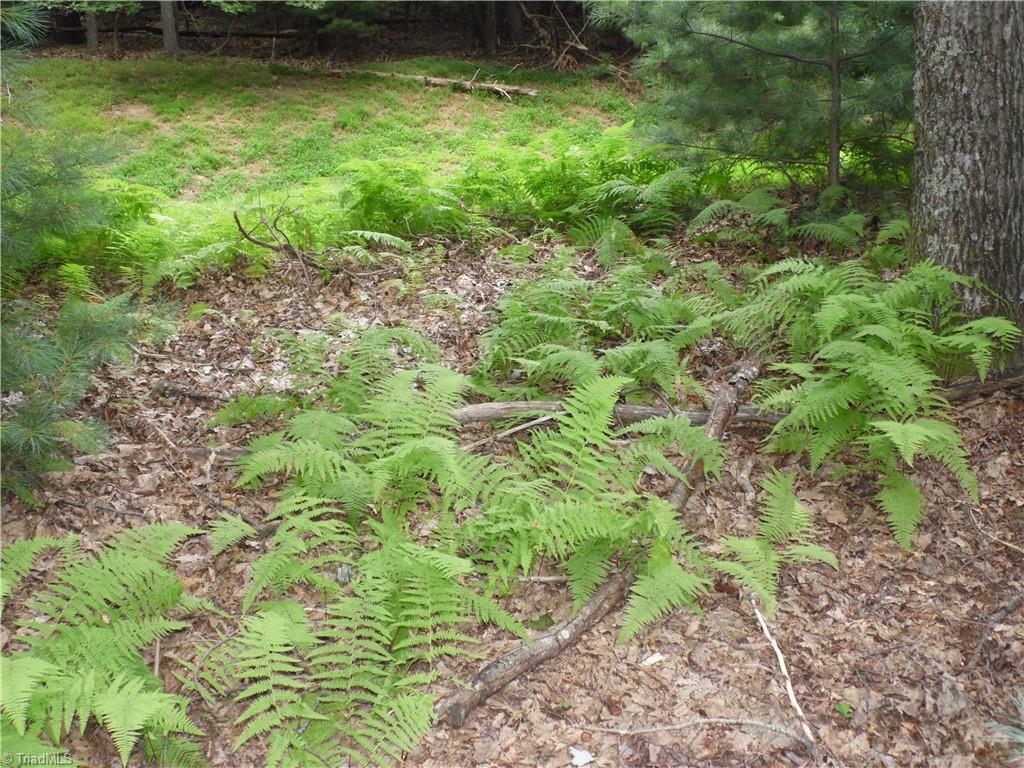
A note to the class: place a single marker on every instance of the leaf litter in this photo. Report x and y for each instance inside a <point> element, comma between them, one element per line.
<point>920,649</point>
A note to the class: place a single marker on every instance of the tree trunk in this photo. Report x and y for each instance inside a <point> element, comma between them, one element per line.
<point>490,28</point>
<point>514,22</point>
<point>835,112</point>
<point>968,205</point>
<point>92,34</point>
<point>169,27</point>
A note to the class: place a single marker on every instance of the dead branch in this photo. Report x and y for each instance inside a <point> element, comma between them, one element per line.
<point>503,670</point>
<point>445,82</point>
<point>626,414</point>
<point>500,672</point>
<point>163,386</point>
<point>313,259</point>
<point>974,388</point>
<point>722,413</point>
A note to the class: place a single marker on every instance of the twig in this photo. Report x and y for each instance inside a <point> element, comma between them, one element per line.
<point>804,724</point>
<point>988,535</point>
<point>695,723</point>
<point>508,432</point>
<point>743,479</point>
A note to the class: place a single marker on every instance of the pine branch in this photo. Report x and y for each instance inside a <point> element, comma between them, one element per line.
<point>762,51</point>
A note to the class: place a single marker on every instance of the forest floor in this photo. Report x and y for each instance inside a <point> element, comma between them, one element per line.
<point>924,647</point>
<point>899,659</point>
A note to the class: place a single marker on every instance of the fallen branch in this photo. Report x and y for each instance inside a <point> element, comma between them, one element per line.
<point>503,670</point>
<point>696,722</point>
<point>974,388</point>
<point>625,414</point>
<point>445,82</point>
<point>312,259</point>
<point>164,386</point>
<point>723,412</point>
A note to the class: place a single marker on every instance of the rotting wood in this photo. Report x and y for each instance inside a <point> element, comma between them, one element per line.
<point>446,82</point>
<point>975,388</point>
<point>497,674</point>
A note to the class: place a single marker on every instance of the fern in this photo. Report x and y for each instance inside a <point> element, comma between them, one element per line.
<point>663,586</point>
<point>869,355</point>
<point>228,531</point>
<point>782,539</point>
<point>18,558</point>
<point>85,634</point>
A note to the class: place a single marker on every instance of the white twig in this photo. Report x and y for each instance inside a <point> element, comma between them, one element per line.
<point>696,723</point>
<point>804,724</point>
<point>533,423</point>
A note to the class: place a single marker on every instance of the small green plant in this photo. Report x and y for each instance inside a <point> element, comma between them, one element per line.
<point>45,372</point>
<point>844,709</point>
<point>783,538</point>
<point>85,631</point>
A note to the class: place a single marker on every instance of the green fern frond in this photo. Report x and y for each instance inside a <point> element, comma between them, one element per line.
<point>18,558</point>
<point>22,676</point>
<point>228,531</point>
<point>903,504</point>
<point>663,586</point>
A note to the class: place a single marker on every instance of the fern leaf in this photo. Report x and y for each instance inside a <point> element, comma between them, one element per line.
<point>903,505</point>
<point>664,586</point>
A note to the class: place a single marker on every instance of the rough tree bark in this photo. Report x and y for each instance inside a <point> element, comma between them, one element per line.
<point>169,27</point>
<point>514,22</point>
<point>92,33</point>
<point>968,206</point>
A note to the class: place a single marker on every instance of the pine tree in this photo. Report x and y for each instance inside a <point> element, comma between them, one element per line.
<point>805,84</point>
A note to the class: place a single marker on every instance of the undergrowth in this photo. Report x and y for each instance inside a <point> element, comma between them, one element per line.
<point>406,537</point>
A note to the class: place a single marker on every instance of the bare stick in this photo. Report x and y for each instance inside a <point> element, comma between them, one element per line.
<point>804,724</point>
<point>509,432</point>
<point>625,414</point>
<point>722,413</point>
<point>697,722</point>
<point>503,670</point>
<point>445,82</point>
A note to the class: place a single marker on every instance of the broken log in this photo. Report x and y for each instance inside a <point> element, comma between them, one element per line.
<point>445,82</point>
<point>497,674</point>
<point>975,388</point>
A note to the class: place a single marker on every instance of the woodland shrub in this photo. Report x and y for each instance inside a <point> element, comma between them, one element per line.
<point>46,368</point>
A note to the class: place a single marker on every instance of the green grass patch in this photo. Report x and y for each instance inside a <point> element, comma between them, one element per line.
<point>175,125</point>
